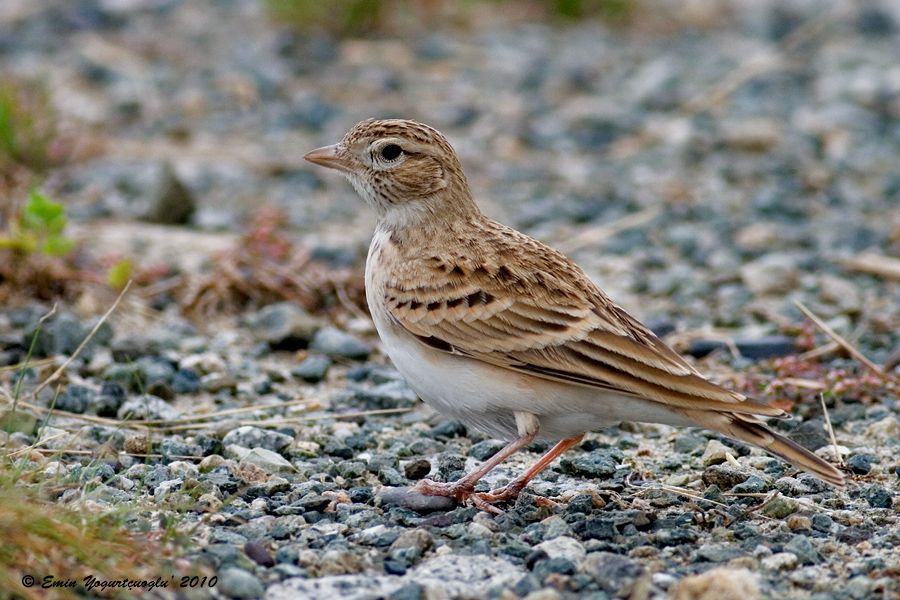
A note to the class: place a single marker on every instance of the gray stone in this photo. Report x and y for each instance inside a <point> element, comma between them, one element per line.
<point>254,437</point>
<point>284,326</point>
<point>313,368</point>
<point>74,399</point>
<point>413,500</point>
<point>334,342</point>
<point>269,461</point>
<point>170,201</point>
<point>563,547</point>
<point>238,583</point>
<point>147,407</point>
<point>770,274</point>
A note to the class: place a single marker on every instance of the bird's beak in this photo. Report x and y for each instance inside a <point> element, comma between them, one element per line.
<point>333,157</point>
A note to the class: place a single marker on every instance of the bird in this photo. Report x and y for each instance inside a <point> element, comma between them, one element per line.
<point>503,333</point>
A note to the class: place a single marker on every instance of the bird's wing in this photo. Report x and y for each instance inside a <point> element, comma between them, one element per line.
<point>541,315</point>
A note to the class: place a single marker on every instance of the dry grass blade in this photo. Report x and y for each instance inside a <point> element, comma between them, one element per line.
<point>831,430</point>
<point>842,342</point>
<point>62,368</point>
<point>591,236</point>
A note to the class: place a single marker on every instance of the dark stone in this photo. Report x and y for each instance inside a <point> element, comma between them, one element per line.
<point>822,523</point>
<point>535,557</point>
<point>687,443</point>
<point>394,567</point>
<point>804,549</point>
<point>611,571</point>
<point>875,21</point>
<point>111,397</point>
<point>171,202</point>
<point>861,464</point>
<point>596,528</point>
<point>417,469</point>
<point>878,497</point>
<point>74,399</point>
<point>486,449</point>
<point>755,349</point>
<point>338,449</point>
<point>559,566</point>
<point>598,463</point>
<point>448,429</point>
<point>314,502</point>
<point>853,535</point>
<point>753,485</point>
<point>185,381</point>
<point>410,591</point>
<point>334,342</point>
<point>725,476</point>
<point>582,503</point>
<point>258,553</point>
<point>313,368</point>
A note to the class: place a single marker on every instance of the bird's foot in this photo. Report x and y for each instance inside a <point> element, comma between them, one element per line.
<point>461,492</point>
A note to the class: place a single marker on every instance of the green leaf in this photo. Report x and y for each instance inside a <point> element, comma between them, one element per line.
<point>120,273</point>
<point>43,215</point>
<point>56,245</point>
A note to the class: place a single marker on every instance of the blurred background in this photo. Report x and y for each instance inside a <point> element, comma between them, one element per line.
<point>706,161</point>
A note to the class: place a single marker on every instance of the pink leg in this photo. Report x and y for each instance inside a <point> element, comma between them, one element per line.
<point>512,489</point>
<point>463,489</point>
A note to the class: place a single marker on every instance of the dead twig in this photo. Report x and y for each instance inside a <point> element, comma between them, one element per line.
<point>55,375</point>
<point>831,430</point>
<point>843,343</point>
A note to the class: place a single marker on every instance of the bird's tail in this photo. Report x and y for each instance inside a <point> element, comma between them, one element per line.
<point>748,428</point>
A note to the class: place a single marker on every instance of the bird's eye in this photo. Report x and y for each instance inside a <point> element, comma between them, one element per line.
<point>391,151</point>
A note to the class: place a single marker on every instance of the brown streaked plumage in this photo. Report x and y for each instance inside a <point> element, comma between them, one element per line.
<point>506,334</point>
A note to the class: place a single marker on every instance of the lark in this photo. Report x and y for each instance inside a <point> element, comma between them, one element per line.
<point>505,334</point>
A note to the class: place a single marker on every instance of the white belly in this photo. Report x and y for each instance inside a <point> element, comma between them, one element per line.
<point>486,397</point>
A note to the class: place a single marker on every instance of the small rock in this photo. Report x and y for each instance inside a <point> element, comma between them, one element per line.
<point>751,135</point>
<point>171,202</point>
<point>803,548</point>
<point>878,497</point>
<point>715,453</point>
<point>413,500</point>
<point>334,342</point>
<point>417,469</point>
<point>284,326</point>
<point>781,561</point>
<point>254,437</point>
<point>418,539</point>
<point>725,476</point>
<point>770,274</point>
<point>238,583</point>
<point>860,464</point>
<point>780,507</point>
<point>312,369</point>
<point>687,443</point>
<point>722,583</point>
<point>147,407</point>
<point>109,400</point>
<point>563,547</point>
<point>269,461</point>
<point>799,523</point>
<point>486,449</point>
<point>598,463</point>
<point>258,553</point>
<point>74,399</point>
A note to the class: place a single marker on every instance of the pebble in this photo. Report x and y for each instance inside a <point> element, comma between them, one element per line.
<point>312,369</point>
<point>254,437</point>
<point>598,463</point>
<point>780,561</point>
<point>715,453</point>
<point>147,407</point>
<point>780,508</point>
<point>725,476</point>
<point>284,326</point>
<point>771,274</point>
<point>238,583</point>
<point>269,461</point>
<point>563,547</point>
<point>337,343</point>
<point>170,201</point>
<point>75,399</point>
<point>878,497</point>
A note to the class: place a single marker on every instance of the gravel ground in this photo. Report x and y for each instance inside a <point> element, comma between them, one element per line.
<point>708,170</point>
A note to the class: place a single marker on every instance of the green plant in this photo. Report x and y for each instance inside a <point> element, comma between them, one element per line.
<point>38,228</point>
<point>27,127</point>
<point>345,17</point>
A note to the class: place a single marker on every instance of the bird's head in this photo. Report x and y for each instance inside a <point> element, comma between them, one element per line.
<point>401,168</point>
